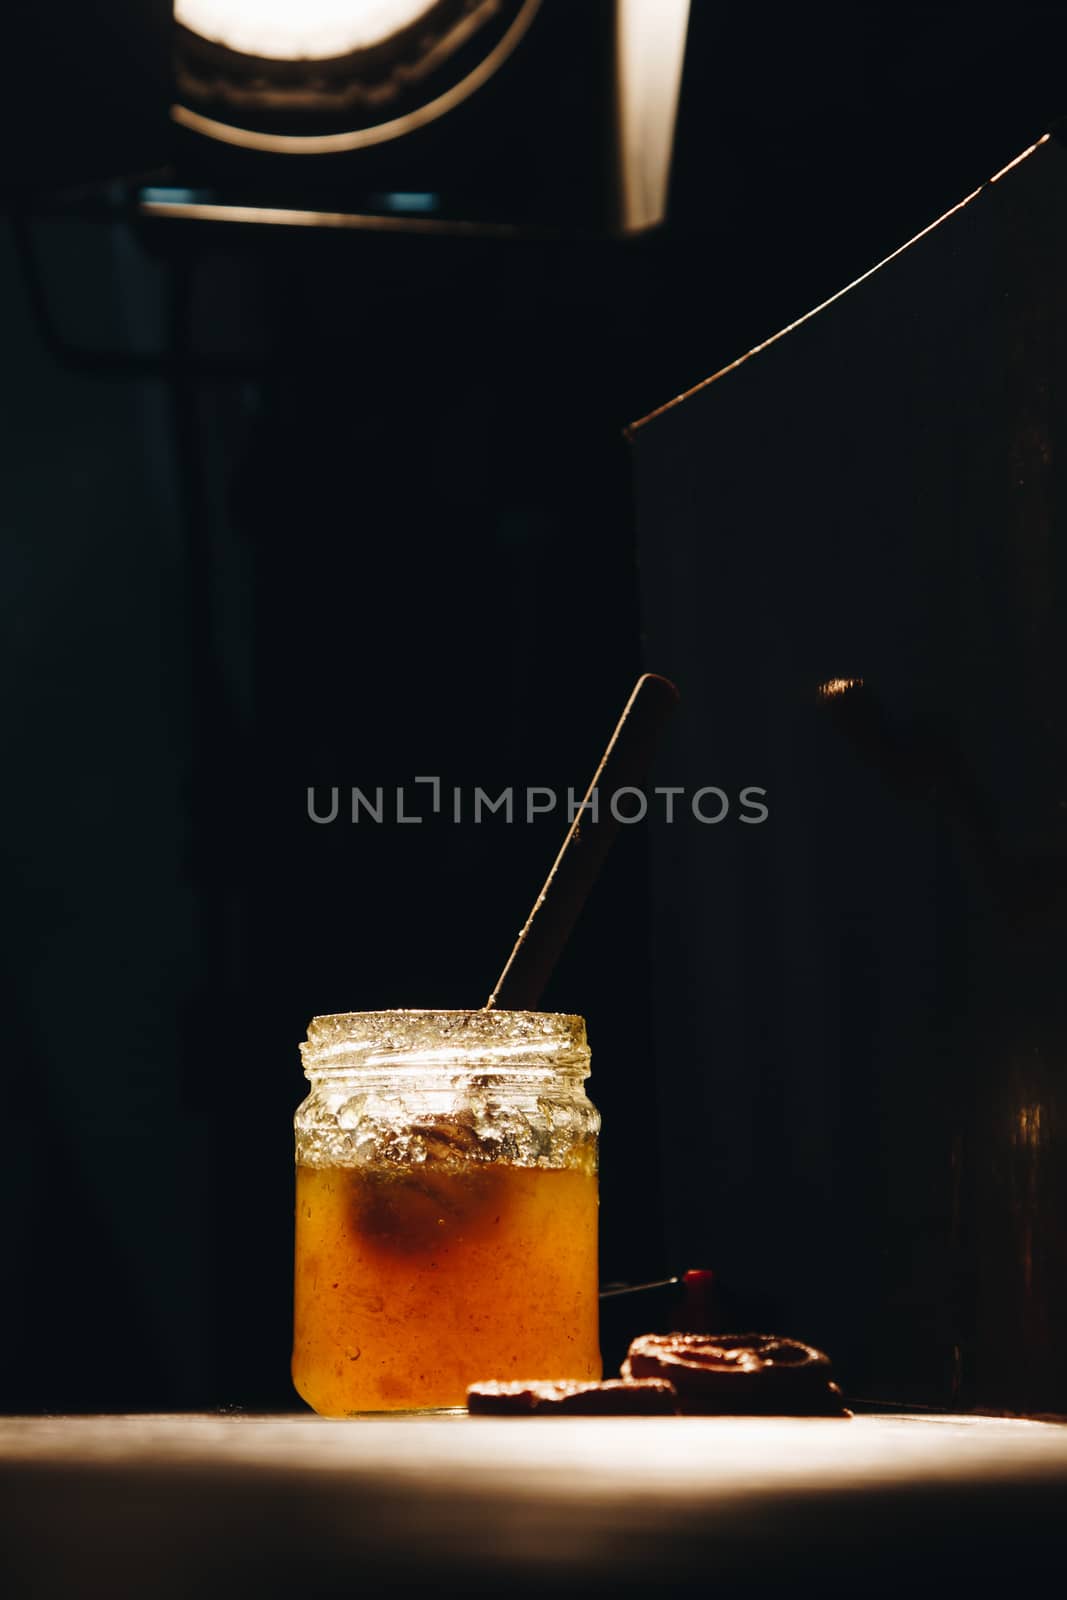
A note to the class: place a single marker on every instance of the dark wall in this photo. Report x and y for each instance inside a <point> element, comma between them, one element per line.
<point>400,546</point>
<point>869,986</point>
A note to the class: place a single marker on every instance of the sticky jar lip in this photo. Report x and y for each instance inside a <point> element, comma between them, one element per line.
<point>409,1043</point>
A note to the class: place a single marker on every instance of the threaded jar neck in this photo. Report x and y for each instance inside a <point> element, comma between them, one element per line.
<point>534,1047</point>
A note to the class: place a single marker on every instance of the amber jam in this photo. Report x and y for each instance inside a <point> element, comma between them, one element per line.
<point>446,1208</point>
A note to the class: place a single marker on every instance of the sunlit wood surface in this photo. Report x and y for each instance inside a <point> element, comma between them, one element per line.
<point>179,1506</point>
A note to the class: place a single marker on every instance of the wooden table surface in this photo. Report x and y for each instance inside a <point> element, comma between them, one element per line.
<point>300,1506</point>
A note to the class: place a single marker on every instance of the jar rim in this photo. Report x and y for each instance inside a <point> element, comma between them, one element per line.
<point>490,1014</point>
<point>438,1040</point>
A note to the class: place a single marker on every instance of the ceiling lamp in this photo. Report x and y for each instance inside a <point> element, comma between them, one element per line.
<point>280,31</point>
<point>573,125</point>
<point>315,77</point>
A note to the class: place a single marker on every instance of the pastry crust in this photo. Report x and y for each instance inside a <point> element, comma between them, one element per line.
<point>615,1398</point>
<point>738,1374</point>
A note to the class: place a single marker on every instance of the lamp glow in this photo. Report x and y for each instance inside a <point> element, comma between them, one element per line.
<point>298,30</point>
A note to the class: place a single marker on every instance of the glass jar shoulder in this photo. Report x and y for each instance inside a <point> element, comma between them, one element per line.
<point>348,1123</point>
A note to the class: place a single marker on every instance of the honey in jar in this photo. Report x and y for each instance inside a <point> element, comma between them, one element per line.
<point>446,1208</point>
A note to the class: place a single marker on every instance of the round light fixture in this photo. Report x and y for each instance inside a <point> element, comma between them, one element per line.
<point>311,30</point>
<point>318,76</point>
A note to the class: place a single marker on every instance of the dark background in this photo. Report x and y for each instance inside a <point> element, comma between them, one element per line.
<point>868,990</point>
<point>285,509</point>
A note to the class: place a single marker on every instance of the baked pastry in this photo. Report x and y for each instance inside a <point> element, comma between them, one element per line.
<point>738,1374</point>
<point>615,1398</point>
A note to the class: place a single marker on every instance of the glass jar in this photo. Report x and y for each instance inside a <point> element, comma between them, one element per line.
<point>446,1207</point>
